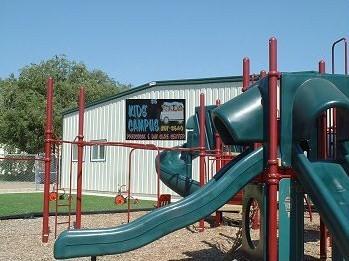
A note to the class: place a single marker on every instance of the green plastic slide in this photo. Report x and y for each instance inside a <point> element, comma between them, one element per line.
<point>224,185</point>
<point>174,173</point>
<point>328,186</point>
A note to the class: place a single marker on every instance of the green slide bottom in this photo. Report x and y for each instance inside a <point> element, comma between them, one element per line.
<point>224,185</point>
<point>328,186</point>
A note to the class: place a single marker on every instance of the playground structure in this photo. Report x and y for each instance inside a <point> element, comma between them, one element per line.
<point>216,157</point>
<point>312,119</point>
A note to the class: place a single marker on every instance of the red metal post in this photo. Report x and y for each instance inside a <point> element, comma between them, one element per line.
<point>322,66</point>
<point>245,73</point>
<point>219,158</point>
<point>218,146</point>
<point>202,146</point>
<point>70,182</point>
<point>80,157</point>
<point>323,155</point>
<point>56,190</point>
<point>158,171</point>
<point>273,175</point>
<point>323,141</point>
<point>256,218</point>
<point>48,138</point>
<point>129,186</point>
<point>332,112</point>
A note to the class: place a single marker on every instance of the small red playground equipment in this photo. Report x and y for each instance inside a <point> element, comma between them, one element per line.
<point>120,199</point>
<point>302,149</point>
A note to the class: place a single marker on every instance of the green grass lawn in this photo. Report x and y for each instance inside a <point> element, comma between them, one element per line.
<point>26,203</point>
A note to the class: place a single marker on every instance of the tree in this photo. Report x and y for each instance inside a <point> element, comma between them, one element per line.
<point>23,99</point>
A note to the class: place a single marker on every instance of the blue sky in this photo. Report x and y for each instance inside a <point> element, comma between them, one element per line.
<point>141,41</point>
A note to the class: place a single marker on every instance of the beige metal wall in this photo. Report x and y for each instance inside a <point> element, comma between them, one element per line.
<point>107,121</point>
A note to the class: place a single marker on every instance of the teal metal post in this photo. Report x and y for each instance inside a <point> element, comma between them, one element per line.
<point>284,219</point>
<point>296,221</point>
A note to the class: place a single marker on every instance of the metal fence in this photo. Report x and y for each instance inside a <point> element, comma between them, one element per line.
<point>17,173</point>
<point>23,172</point>
<point>21,183</point>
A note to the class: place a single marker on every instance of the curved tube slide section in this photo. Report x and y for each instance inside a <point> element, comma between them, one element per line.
<point>328,186</point>
<point>240,120</point>
<point>160,222</point>
<point>174,173</point>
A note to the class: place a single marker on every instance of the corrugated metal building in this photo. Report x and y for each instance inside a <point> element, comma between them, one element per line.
<point>105,169</point>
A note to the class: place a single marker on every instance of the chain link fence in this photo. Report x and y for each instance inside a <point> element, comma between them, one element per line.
<point>17,172</point>
<point>23,172</point>
<point>21,183</point>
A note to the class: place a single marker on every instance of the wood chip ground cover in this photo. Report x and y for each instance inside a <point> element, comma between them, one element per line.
<point>21,240</point>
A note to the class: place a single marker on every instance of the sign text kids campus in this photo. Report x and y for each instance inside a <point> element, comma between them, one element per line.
<point>155,119</point>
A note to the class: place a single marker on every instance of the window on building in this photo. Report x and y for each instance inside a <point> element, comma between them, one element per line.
<point>74,152</point>
<point>98,152</point>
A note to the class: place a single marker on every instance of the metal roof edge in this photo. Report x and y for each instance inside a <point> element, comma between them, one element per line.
<point>153,84</point>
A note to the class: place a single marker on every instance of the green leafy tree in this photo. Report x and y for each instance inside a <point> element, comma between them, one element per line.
<point>23,99</point>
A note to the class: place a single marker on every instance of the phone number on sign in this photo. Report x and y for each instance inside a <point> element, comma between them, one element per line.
<point>155,136</point>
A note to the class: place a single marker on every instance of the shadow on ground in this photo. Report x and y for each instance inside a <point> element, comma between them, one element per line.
<point>213,253</point>
<point>311,235</point>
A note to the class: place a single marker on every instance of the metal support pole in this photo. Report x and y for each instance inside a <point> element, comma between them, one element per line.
<point>129,186</point>
<point>333,113</point>
<point>218,146</point>
<point>48,138</point>
<point>323,155</point>
<point>346,57</point>
<point>245,74</point>
<point>322,66</point>
<point>80,157</point>
<point>323,127</point>
<point>158,171</point>
<point>202,146</point>
<point>219,164</point>
<point>273,175</point>
<point>345,54</point>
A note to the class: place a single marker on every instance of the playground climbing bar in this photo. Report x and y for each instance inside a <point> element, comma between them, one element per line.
<point>48,139</point>
<point>273,175</point>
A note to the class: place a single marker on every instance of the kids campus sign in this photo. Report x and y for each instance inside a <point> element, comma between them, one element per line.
<point>155,119</point>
